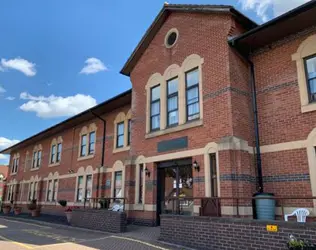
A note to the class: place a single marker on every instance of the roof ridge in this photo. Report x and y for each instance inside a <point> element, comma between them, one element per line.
<point>166,10</point>
<point>199,5</point>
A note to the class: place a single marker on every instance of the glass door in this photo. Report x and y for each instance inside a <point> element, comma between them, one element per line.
<point>175,180</point>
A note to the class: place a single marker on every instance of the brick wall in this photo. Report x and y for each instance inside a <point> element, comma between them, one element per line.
<point>104,220</point>
<point>279,105</point>
<point>231,233</point>
<point>206,36</point>
<point>69,158</point>
<point>3,171</point>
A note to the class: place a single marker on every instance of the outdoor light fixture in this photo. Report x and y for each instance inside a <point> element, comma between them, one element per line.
<point>70,171</point>
<point>196,166</point>
<point>147,172</point>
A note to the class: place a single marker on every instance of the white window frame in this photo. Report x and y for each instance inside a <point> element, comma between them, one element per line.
<point>15,164</point>
<point>193,61</point>
<point>52,161</point>
<point>125,119</point>
<point>84,173</point>
<point>140,161</point>
<point>38,161</point>
<point>307,48</point>
<point>86,131</point>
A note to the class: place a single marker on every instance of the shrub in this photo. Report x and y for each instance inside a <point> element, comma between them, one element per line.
<point>5,206</point>
<point>31,206</point>
<point>63,203</point>
<point>104,203</point>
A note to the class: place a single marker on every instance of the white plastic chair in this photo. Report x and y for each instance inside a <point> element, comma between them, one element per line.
<point>117,208</point>
<point>300,213</point>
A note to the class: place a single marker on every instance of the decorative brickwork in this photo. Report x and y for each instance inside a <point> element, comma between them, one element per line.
<point>231,233</point>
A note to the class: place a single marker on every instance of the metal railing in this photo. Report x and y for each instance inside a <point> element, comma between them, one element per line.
<point>213,206</point>
<point>103,203</point>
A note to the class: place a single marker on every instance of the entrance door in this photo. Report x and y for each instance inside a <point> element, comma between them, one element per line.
<point>174,181</point>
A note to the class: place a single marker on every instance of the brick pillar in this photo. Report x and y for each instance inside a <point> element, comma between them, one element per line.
<point>151,184</point>
<point>108,184</point>
<point>198,177</point>
<point>130,184</point>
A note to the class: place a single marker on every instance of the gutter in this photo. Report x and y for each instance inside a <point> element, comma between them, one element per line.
<point>292,13</point>
<point>252,81</point>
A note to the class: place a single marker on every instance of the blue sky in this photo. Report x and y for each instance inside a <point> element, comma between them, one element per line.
<point>60,57</point>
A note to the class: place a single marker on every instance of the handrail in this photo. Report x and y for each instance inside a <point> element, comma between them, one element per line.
<point>216,204</point>
<point>249,198</point>
<point>95,201</point>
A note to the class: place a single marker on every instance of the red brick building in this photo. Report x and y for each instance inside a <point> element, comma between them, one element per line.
<point>193,124</point>
<point>3,175</point>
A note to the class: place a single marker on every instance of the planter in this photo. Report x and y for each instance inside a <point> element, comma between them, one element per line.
<point>6,210</point>
<point>17,210</point>
<point>35,213</point>
<point>304,246</point>
<point>69,216</point>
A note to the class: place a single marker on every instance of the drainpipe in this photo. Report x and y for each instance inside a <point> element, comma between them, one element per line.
<point>103,138</point>
<point>256,124</point>
<point>103,147</point>
<point>255,113</point>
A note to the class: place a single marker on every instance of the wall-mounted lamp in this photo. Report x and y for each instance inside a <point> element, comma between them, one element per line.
<point>70,171</point>
<point>196,166</point>
<point>147,172</point>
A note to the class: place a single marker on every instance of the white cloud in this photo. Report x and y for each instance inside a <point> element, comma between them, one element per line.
<point>93,65</point>
<point>2,90</point>
<point>56,106</point>
<point>10,98</point>
<point>5,143</point>
<point>262,7</point>
<point>20,64</point>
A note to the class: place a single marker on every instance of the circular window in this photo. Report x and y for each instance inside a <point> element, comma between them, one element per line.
<point>171,38</point>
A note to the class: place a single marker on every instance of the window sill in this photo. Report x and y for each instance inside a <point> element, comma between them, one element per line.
<point>82,158</point>
<point>49,203</point>
<point>308,108</point>
<point>139,207</point>
<point>117,150</point>
<point>169,130</point>
<point>54,164</point>
<point>35,169</point>
<point>13,173</point>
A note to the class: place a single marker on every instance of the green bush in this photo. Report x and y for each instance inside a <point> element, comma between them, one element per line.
<point>104,203</point>
<point>63,203</point>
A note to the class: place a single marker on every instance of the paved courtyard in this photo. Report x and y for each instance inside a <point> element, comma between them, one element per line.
<point>21,235</point>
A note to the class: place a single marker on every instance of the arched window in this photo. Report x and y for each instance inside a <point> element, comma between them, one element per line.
<point>55,151</point>
<point>122,132</point>
<point>305,58</point>
<point>15,163</point>
<point>174,99</point>
<point>87,141</point>
<point>37,157</point>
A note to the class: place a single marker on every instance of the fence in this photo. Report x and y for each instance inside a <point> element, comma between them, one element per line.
<point>103,203</point>
<point>231,206</point>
